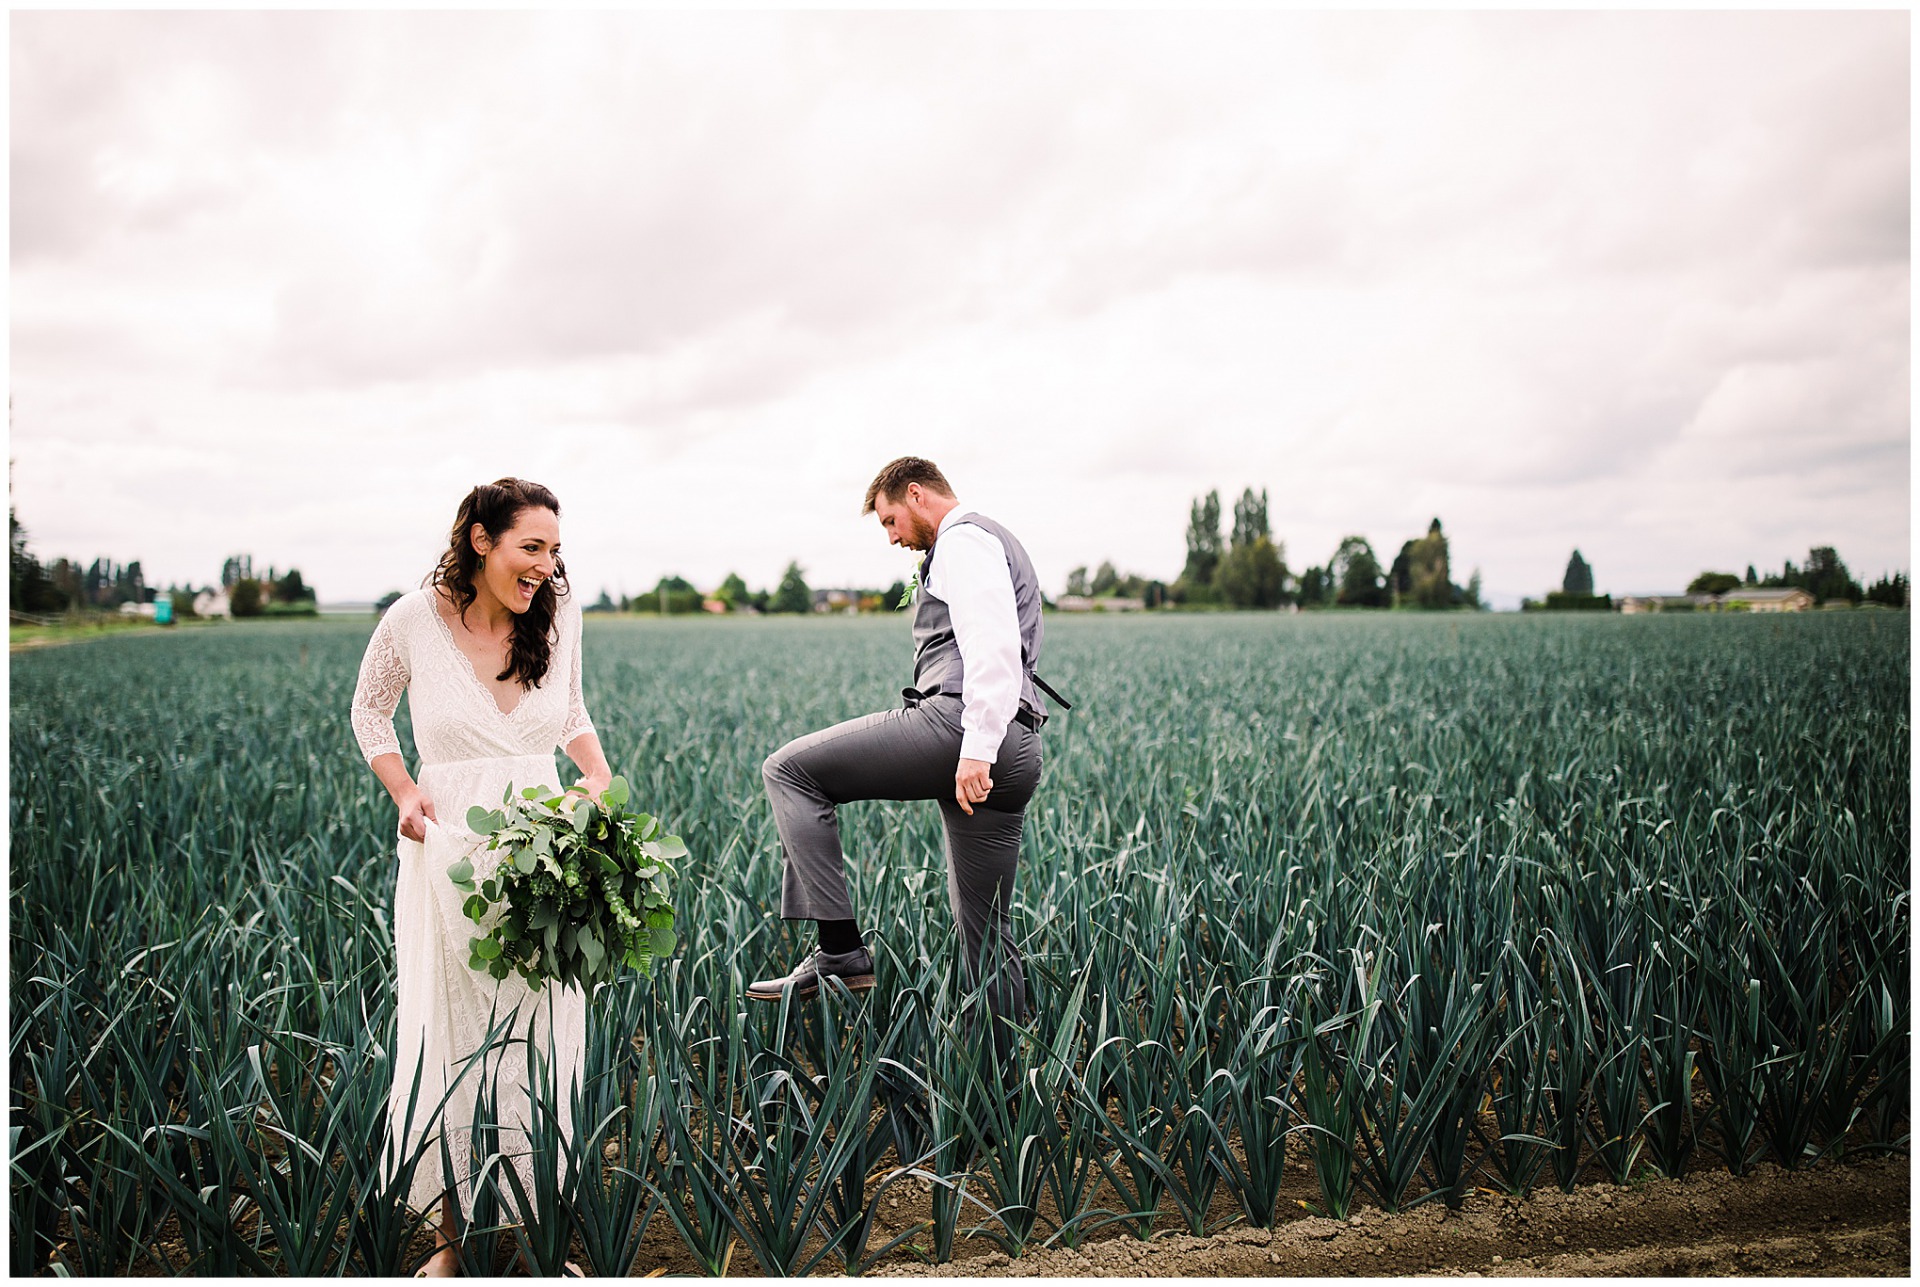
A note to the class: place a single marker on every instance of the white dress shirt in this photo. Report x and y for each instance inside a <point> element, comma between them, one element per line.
<point>972,578</point>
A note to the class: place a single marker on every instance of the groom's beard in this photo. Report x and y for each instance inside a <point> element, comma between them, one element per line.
<point>924,533</point>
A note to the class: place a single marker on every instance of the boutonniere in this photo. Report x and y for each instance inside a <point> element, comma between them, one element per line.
<point>912,593</point>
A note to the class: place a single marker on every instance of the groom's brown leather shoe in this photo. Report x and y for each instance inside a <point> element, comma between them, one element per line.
<point>855,969</point>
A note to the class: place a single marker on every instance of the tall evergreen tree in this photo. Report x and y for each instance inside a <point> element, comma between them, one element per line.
<point>1250,518</point>
<point>1889,590</point>
<point>1203,541</point>
<point>29,587</point>
<point>1826,576</point>
<point>793,594</point>
<point>1430,575</point>
<point>1253,573</point>
<point>1579,577</point>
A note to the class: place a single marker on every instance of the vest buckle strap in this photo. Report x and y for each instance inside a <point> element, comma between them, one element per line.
<point>1047,688</point>
<point>912,697</point>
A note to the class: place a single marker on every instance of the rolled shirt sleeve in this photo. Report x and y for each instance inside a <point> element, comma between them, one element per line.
<point>972,578</point>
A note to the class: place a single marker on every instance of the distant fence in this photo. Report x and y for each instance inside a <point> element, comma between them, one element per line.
<point>17,618</point>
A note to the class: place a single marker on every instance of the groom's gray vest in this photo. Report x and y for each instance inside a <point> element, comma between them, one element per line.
<point>936,656</point>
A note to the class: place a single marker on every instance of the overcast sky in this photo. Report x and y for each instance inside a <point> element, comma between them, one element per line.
<point>291,284</point>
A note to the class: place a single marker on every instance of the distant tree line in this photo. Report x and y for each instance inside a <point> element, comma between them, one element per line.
<point>1420,576</point>
<point>66,586</point>
<point>269,594</point>
<point>1248,569</point>
<point>1575,593</point>
<point>674,595</point>
<point>103,585</point>
<point>1824,576</point>
<point>1107,583</point>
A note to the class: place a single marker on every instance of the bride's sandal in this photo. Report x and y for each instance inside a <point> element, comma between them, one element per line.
<point>449,1269</point>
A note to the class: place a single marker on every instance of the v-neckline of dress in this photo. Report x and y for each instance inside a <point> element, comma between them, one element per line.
<point>466,663</point>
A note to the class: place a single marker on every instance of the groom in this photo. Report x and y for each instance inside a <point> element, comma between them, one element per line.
<point>968,737</point>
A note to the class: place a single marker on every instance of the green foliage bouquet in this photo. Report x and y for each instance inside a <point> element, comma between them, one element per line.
<point>581,891</point>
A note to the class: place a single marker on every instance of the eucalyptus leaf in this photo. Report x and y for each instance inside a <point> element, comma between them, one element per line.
<point>483,822</point>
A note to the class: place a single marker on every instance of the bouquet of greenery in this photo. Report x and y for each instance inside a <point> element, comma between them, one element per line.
<point>581,891</point>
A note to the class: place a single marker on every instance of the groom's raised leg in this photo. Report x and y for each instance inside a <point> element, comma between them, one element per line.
<point>893,755</point>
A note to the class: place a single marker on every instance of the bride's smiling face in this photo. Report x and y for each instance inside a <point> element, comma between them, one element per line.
<point>515,567</point>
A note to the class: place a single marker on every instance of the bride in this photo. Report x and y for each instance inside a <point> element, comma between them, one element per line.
<point>489,652</point>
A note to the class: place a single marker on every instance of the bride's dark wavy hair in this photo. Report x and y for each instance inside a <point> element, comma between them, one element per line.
<point>495,506</point>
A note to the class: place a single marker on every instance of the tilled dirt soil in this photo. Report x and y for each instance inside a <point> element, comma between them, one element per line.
<point>1831,1219</point>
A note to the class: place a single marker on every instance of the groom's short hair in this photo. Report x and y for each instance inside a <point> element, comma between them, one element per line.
<point>891,482</point>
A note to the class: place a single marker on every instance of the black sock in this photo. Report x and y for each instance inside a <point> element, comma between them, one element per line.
<point>839,937</point>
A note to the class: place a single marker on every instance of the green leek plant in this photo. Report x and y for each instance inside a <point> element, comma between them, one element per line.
<point>688,1173</point>
<point>1251,1078</point>
<point>611,1207</point>
<point>1519,1081</point>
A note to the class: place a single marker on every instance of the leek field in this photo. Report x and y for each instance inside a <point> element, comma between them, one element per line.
<point>1425,903</point>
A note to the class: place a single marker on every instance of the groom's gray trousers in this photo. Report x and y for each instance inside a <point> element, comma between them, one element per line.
<point>910,754</point>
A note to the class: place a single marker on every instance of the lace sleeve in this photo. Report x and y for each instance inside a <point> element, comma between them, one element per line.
<point>383,677</point>
<point>578,721</point>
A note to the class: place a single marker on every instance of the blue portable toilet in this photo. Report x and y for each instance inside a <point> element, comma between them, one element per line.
<point>163,610</point>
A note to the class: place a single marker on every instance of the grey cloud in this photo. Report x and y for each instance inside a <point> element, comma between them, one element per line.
<point>1489,256</point>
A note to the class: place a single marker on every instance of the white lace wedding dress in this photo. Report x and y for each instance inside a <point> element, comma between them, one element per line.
<point>470,752</point>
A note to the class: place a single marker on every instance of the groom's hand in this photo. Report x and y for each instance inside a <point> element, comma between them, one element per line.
<point>971,784</point>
